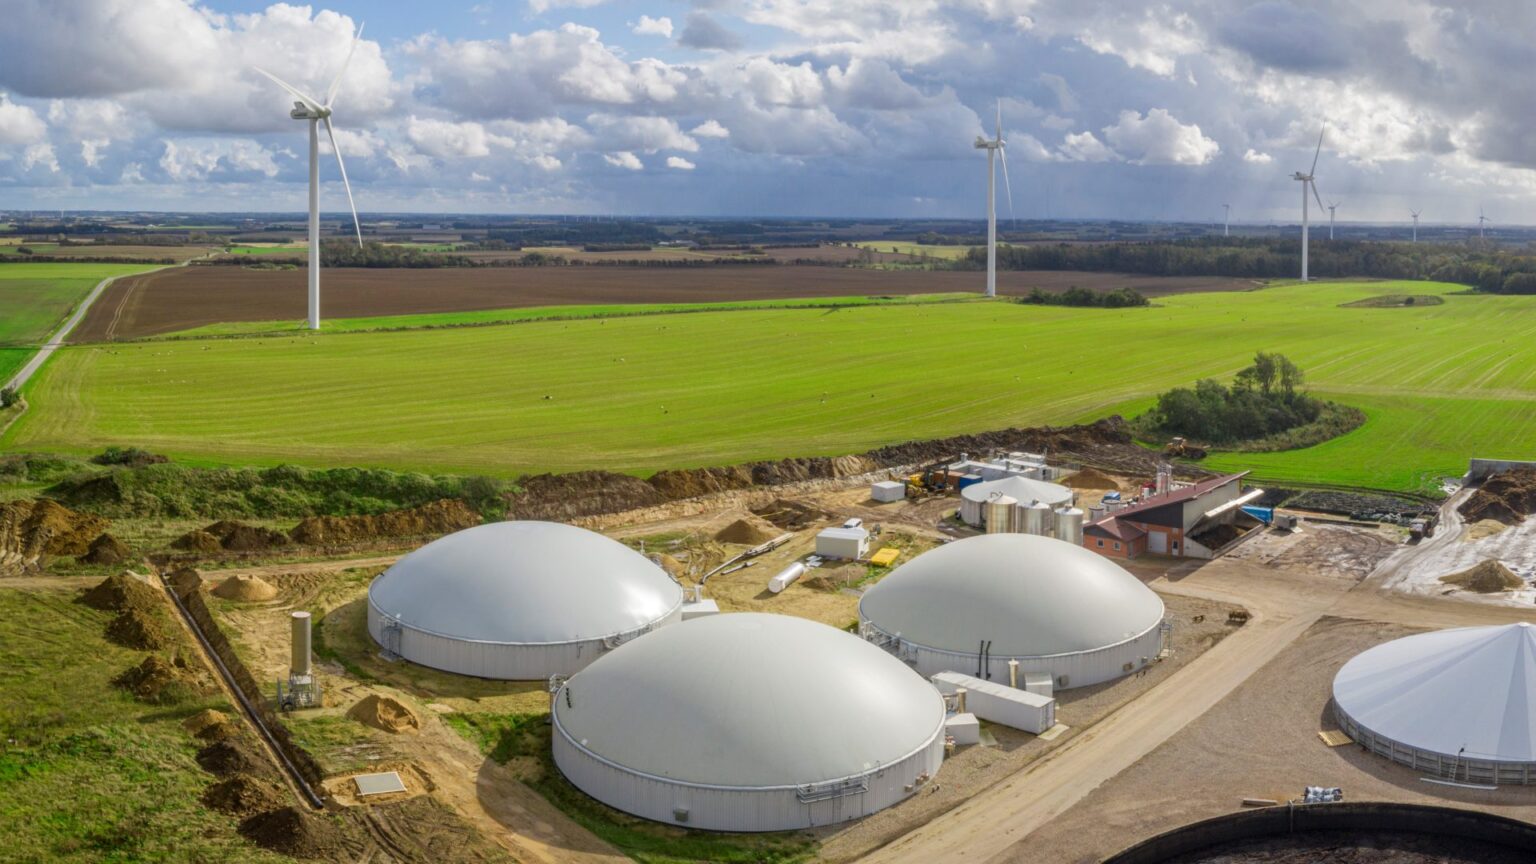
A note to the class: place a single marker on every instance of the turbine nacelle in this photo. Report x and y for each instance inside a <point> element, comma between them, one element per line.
<point>306,112</point>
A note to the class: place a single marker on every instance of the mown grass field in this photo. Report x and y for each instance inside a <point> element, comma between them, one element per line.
<point>88,774</point>
<point>903,247</point>
<point>36,298</point>
<point>1439,383</point>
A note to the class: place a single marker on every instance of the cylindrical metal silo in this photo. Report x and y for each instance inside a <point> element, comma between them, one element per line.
<point>299,662</point>
<point>1096,512</point>
<point>1037,519</point>
<point>1069,525</point>
<point>1000,514</point>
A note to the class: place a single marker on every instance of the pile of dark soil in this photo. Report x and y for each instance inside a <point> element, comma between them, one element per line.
<point>302,834</point>
<point>204,720</point>
<point>1486,577</point>
<point>161,682</point>
<point>198,540</point>
<point>1217,536</point>
<point>1357,505</point>
<point>691,482</point>
<point>747,532</point>
<point>791,515</point>
<point>1508,497</point>
<point>436,518</point>
<point>235,754</point>
<point>243,795</point>
<point>558,497</point>
<point>105,549</point>
<point>185,581</point>
<point>141,629</point>
<point>31,529</point>
<point>236,536</point>
<point>1090,478</point>
<point>122,592</point>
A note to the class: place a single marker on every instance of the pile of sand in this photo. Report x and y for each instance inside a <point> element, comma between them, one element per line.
<point>231,536</point>
<point>105,550</point>
<point>1484,529</point>
<point>383,712</point>
<point>791,515</point>
<point>436,518</point>
<point>674,567</point>
<point>204,720</point>
<point>243,795</point>
<point>747,532</point>
<point>122,592</point>
<point>1090,478</point>
<point>245,589</point>
<point>160,681</point>
<point>141,629</point>
<point>1488,577</point>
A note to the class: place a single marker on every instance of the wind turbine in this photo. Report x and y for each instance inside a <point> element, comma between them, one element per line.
<point>1481,221</point>
<point>1307,183</point>
<point>994,148</point>
<point>1226,220</point>
<point>317,112</point>
<point>1332,206</point>
<point>1415,214</point>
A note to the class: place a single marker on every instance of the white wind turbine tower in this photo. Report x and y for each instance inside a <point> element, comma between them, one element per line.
<point>1415,215</point>
<point>1226,220</point>
<point>1308,184</point>
<point>316,112</point>
<point>1332,206</point>
<point>994,148</point>
<point>1481,221</point>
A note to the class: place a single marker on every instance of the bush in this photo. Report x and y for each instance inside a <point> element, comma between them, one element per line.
<point>9,397</point>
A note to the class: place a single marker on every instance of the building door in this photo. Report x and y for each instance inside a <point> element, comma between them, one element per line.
<point>1157,543</point>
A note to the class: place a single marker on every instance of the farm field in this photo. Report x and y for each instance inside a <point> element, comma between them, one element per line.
<point>174,300</point>
<point>88,251</point>
<point>904,247</point>
<point>36,298</point>
<point>639,394</point>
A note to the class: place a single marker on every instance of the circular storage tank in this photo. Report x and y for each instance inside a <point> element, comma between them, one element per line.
<point>748,722</point>
<point>1069,525</point>
<point>1000,514</point>
<point>1456,704</point>
<point>518,600</point>
<point>973,498</point>
<point>1057,608</point>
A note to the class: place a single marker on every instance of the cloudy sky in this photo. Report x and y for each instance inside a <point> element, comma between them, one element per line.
<point>779,107</point>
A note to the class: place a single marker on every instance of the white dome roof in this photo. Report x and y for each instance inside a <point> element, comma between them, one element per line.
<point>1022,489</point>
<point>1032,596</point>
<point>750,700</point>
<point>525,583</point>
<point>1472,688</point>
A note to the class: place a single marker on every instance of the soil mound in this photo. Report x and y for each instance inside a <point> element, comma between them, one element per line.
<point>299,834</point>
<point>1508,497</point>
<point>160,681</point>
<point>673,566</point>
<point>559,497</point>
<point>243,795</point>
<point>692,482</point>
<point>438,517</point>
<point>245,589</point>
<point>748,532</point>
<point>139,629</point>
<point>198,541</point>
<point>791,515</point>
<point>185,581</point>
<point>235,754</point>
<point>1484,529</point>
<point>31,529</point>
<point>1487,577</point>
<point>122,592</point>
<point>382,712</point>
<point>105,549</point>
<point>235,536</point>
<point>1090,478</point>
<point>204,720</point>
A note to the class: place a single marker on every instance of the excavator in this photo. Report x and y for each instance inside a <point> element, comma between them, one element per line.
<point>931,479</point>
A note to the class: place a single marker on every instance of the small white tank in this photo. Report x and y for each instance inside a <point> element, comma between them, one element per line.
<point>786,577</point>
<point>1037,519</point>
<point>1069,525</point>
<point>299,659</point>
<point>1096,512</point>
<point>1000,514</point>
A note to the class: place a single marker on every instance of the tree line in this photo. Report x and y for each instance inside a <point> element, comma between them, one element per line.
<point>1265,399</point>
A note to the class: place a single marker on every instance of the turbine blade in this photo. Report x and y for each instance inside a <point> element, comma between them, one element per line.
<point>356,225</point>
<point>1319,151</point>
<point>298,94</point>
<point>1319,198</point>
<point>999,119</point>
<point>330,94</point>
<point>1002,154</point>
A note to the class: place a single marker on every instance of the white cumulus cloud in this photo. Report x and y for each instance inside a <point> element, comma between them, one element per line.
<point>648,26</point>
<point>1257,158</point>
<point>624,159</point>
<point>680,163</point>
<point>1159,139</point>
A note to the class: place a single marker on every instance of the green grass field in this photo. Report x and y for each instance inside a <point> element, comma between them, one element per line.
<point>285,249</point>
<point>1439,384</point>
<point>36,298</point>
<point>948,253</point>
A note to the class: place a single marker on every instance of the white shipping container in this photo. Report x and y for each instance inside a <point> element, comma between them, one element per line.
<point>847,543</point>
<point>887,491</point>
<point>999,703</point>
<point>964,728</point>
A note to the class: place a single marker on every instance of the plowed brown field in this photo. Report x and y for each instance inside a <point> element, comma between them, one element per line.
<point>171,300</point>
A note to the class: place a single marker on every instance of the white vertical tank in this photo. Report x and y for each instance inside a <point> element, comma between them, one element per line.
<point>1069,525</point>
<point>1037,519</point>
<point>1000,514</point>
<point>299,662</point>
<point>1096,512</point>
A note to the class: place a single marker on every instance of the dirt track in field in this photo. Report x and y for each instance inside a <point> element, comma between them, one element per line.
<point>180,299</point>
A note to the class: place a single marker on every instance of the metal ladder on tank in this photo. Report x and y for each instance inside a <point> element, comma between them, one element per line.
<point>389,639</point>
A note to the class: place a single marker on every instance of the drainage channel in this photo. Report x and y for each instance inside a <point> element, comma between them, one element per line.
<point>294,776</point>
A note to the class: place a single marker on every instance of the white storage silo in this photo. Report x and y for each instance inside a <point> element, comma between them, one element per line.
<point>973,498</point>
<point>518,600</point>
<point>748,722</point>
<point>1035,518</point>
<point>973,605</point>
<point>1069,525</point>
<point>1000,514</point>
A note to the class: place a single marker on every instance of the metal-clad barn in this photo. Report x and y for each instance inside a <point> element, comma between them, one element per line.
<point>1457,704</point>
<point>973,498</point>
<point>972,605</point>
<point>748,722</point>
<point>518,600</point>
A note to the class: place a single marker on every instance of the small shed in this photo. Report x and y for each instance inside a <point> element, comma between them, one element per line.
<point>887,491</point>
<point>843,542</point>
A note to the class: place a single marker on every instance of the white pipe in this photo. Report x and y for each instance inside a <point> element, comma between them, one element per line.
<point>314,224</point>
<point>1013,674</point>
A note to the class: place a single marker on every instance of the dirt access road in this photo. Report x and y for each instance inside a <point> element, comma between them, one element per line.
<point>167,301</point>
<point>1284,605</point>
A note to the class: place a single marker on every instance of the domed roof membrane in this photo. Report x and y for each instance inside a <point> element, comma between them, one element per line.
<point>1031,596</point>
<point>1022,489</point>
<point>526,583</point>
<point>750,700</point>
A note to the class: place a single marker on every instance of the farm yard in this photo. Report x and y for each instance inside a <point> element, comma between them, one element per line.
<point>638,394</point>
<point>175,300</point>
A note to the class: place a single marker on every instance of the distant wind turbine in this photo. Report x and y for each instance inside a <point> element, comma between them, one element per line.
<point>1415,214</point>
<point>994,148</point>
<point>316,112</point>
<point>1309,184</point>
<point>1481,221</point>
<point>1226,220</point>
<point>1332,206</point>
